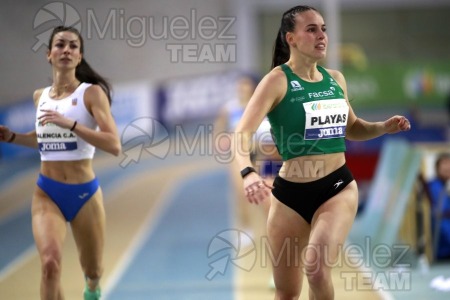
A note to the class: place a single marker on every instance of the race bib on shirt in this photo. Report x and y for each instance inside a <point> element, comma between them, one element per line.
<point>325,119</point>
<point>55,138</point>
<point>51,137</point>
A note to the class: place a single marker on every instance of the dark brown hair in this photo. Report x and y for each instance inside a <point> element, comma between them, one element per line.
<point>83,72</point>
<point>281,48</point>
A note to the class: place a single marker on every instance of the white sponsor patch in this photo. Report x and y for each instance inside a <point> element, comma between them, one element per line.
<point>325,119</point>
<point>51,137</point>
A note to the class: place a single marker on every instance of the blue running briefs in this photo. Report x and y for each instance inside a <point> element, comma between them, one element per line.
<point>70,198</point>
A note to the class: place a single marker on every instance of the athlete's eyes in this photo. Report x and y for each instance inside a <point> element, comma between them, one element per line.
<point>314,29</point>
<point>62,45</point>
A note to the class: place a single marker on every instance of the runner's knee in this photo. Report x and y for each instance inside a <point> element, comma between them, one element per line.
<point>51,264</point>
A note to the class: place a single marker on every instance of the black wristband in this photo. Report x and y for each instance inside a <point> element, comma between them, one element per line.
<point>12,138</point>
<point>246,171</point>
<point>74,125</point>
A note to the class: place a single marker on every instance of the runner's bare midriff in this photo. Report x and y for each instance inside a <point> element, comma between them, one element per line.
<point>79,171</point>
<point>311,167</point>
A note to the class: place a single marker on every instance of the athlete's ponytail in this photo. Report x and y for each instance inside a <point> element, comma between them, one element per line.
<point>281,50</point>
<point>84,72</point>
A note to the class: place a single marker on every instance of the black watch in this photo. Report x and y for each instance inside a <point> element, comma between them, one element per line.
<point>246,171</point>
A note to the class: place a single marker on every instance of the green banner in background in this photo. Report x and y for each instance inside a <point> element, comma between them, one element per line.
<point>399,84</point>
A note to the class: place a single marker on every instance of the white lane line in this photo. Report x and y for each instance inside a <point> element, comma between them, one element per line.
<point>144,232</point>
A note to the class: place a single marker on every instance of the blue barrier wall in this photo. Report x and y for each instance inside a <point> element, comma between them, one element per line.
<point>19,117</point>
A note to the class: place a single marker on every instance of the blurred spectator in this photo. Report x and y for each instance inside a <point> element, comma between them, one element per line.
<point>448,117</point>
<point>225,124</point>
<point>448,105</point>
<point>265,156</point>
<point>440,206</point>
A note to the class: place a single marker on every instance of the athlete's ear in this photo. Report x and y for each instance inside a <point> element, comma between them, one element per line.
<point>290,39</point>
<point>49,59</point>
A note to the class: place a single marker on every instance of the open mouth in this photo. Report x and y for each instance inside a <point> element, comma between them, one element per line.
<point>321,46</point>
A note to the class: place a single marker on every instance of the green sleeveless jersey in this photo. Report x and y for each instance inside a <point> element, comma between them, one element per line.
<point>311,118</point>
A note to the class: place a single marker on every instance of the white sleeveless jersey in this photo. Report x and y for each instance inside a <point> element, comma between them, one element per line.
<point>56,143</point>
<point>235,111</point>
<point>263,134</point>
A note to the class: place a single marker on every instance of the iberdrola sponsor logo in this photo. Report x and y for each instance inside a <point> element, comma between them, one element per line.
<point>316,106</point>
<point>322,105</point>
